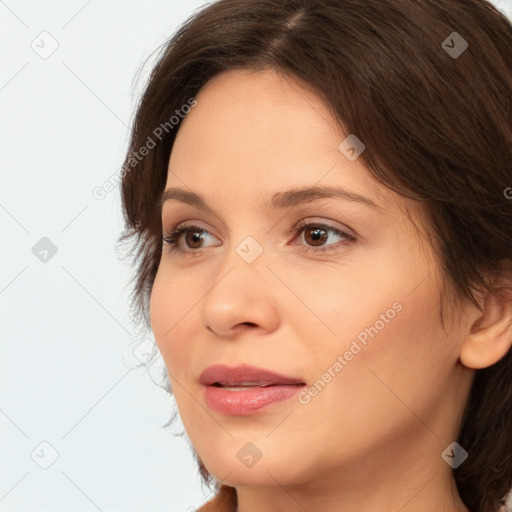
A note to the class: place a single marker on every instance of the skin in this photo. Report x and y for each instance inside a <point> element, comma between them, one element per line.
<point>372,438</point>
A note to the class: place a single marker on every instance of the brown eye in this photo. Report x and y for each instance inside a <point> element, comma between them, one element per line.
<point>316,235</point>
<point>194,237</point>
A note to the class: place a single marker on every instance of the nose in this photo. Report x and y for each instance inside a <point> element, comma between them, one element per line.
<point>243,297</point>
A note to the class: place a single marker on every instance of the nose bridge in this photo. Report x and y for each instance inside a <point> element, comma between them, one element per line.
<point>247,240</point>
<point>241,291</point>
<point>244,261</point>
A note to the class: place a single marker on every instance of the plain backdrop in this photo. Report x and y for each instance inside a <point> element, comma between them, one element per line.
<point>80,424</point>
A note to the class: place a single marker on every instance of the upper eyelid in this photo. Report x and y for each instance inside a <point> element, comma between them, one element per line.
<point>296,230</point>
<point>322,206</point>
<point>303,223</point>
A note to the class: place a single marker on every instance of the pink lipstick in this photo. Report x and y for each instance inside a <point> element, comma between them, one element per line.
<point>245,389</point>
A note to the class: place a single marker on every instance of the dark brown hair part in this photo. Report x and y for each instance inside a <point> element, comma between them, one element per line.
<point>437,128</point>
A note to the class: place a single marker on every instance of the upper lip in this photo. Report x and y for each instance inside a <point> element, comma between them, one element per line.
<point>226,376</point>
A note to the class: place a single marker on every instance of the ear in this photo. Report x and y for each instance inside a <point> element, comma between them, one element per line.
<point>490,335</point>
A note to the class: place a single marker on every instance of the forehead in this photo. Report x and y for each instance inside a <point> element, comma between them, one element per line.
<point>264,132</point>
<point>257,120</point>
<point>262,87</point>
<point>253,108</point>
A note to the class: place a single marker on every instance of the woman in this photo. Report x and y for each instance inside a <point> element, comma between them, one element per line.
<point>319,193</point>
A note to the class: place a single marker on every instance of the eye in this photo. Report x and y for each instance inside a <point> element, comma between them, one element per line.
<point>314,233</point>
<point>317,233</point>
<point>194,237</point>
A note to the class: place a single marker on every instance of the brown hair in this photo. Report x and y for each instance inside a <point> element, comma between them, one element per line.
<point>437,127</point>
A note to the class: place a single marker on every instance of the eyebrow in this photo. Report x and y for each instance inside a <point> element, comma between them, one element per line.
<point>279,200</point>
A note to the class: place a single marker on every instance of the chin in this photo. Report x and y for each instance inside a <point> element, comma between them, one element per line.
<point>234,471</point>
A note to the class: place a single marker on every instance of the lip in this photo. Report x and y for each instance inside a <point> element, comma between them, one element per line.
<point>244,373</point>
<point>270,388</point>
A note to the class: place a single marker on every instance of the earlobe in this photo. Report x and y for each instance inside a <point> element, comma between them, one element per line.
<point>490,336</point>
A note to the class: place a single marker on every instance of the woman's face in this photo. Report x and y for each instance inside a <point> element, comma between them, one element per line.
<point>359,323</point>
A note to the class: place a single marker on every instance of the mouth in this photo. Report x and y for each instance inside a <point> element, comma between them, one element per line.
<point>248,385</point>
<point>244,376</point>
<point>245,389</point>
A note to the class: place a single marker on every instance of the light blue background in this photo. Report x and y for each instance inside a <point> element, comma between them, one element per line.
<point>67,370</point>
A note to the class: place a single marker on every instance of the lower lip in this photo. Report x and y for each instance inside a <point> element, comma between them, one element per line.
<point>248,401</point>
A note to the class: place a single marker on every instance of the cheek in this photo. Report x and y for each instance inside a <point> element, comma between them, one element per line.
<point>168,313</point>
<point>170,310</point>
<point>159,310</point>
<point>399,375</point>
<point>389,335</point>
<point>405,363</point>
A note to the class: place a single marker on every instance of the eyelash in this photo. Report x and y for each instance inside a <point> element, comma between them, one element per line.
<point>171,239</point>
